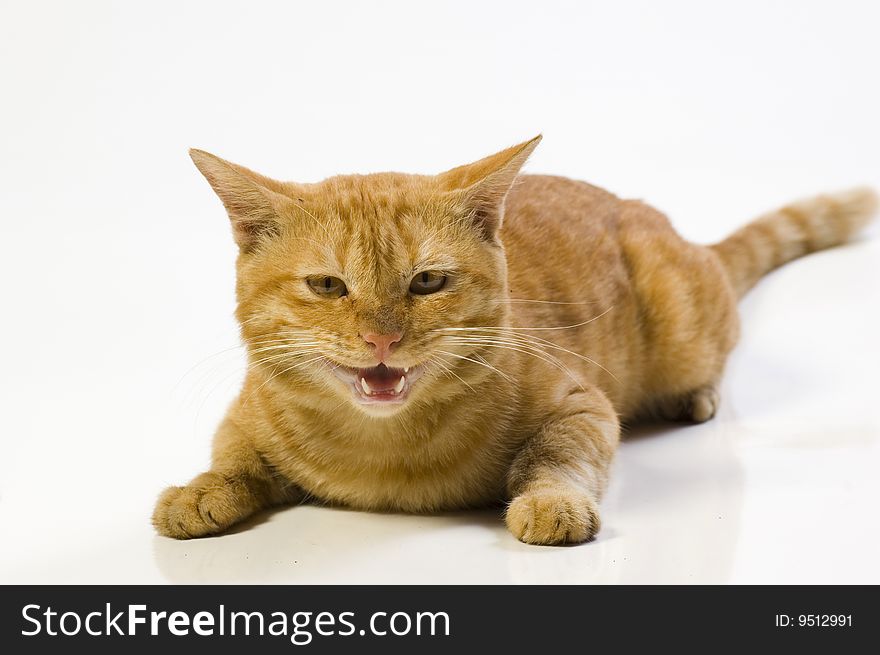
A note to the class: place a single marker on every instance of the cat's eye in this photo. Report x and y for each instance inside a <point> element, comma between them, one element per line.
<point>327,286</point>
<point>427,282</point>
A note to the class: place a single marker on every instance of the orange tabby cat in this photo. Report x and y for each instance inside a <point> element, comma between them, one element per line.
<point>420,343</point>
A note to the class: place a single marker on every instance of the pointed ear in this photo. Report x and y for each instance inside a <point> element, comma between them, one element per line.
<point>483,185</point>
<point>251,200</point>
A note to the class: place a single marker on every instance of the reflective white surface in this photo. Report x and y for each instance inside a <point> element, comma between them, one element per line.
<point>117,269</point>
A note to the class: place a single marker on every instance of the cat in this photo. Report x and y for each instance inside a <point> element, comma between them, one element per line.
<point>422,343</point>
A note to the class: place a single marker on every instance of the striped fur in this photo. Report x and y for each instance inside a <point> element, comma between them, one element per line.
<point>793,231</point>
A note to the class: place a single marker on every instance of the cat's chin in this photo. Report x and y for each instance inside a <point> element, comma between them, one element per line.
<point>379,390</point>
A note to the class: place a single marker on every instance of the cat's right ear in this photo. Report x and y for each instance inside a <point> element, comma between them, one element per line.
<point>251,200</point>
<point>483,185</point>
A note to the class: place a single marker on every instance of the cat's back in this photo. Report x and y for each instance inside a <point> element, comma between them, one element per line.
<point>565,238</point>
<point>634,292</point>
<point>547,206</point>
<point>556,232</point>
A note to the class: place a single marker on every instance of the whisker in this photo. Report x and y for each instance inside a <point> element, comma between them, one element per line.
<point>203,361</point>
<point>282,372</point>
<point>285,346</point>
<point>435,362</point>
<point>281,336</point>
<point>499,328</point>
<point>544,302</point>
<point>585,358</point>
<point>313,217</point>
<point>451,372</point>
<point>535,352</point>
<point>278,357</point>
<point>527,341</point>
<point>483,363</point>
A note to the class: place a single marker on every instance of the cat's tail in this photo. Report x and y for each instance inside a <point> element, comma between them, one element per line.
<point>792,231</point>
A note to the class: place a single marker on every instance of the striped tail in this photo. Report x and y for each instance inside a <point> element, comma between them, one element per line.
<point>795,230</point>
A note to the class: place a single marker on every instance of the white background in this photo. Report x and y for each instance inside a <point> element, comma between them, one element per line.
<point>117,266</point>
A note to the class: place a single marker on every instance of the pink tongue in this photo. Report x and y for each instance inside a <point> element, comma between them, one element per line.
<point>381,378</point>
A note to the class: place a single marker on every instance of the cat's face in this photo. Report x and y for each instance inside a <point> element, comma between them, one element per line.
<point>360,285</point>
<point>356,294</point>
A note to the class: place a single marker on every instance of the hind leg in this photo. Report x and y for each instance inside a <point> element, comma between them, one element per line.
<point>698,405</point>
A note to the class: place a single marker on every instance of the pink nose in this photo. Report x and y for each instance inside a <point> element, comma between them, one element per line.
<point>382,343</point>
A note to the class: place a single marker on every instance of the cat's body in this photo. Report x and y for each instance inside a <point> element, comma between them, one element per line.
<point>577,311</point>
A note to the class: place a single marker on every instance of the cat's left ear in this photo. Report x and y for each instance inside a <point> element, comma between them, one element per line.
<point>483,185</point>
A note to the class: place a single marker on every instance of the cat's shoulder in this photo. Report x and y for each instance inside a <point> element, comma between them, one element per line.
<point>556,199</point>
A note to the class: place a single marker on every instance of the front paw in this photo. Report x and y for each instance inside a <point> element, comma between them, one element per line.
<point>207,505</point>
<point>551,517</point>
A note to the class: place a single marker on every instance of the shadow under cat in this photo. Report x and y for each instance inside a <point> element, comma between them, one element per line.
<point>672,514</point>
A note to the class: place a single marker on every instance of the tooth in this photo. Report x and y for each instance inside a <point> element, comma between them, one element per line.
<point>400,384</point>
<point>366,387</point>
<point>406,370</point>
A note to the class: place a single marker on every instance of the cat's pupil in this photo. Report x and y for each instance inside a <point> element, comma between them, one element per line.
<point>327,286</point>
<point>427,282</point>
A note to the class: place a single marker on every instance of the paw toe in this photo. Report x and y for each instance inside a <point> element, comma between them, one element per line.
<point>704,404</point>
<point>207,505</point>
<point>552,518</point>
<point>697,406</point>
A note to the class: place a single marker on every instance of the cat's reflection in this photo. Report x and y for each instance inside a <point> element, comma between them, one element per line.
<point>313,545</point>
<point>672,515</point>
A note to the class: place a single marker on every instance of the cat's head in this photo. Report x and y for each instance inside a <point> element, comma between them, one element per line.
<point>364,287</point>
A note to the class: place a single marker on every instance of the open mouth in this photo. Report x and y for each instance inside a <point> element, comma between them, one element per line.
<point>379,384</point>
